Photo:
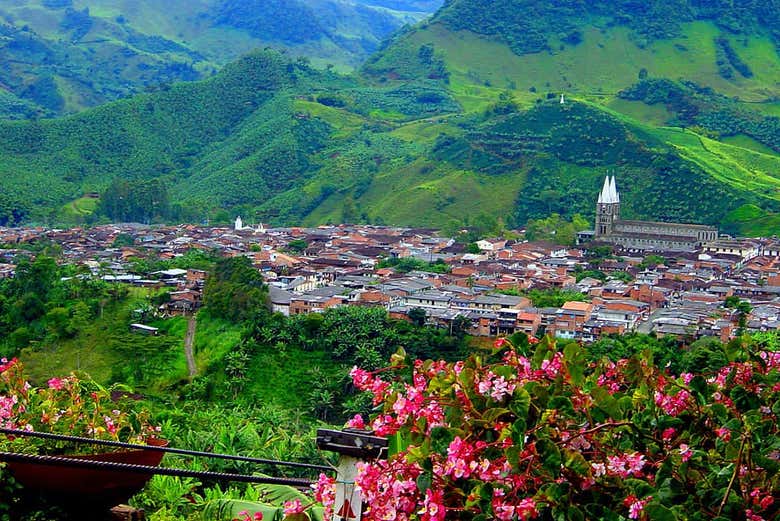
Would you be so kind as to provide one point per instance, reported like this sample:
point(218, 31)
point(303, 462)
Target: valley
point(530, 245)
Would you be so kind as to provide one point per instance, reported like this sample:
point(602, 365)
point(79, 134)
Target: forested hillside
point(60, 56)
point(454, 120)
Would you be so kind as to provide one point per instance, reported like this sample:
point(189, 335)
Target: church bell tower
point(607, 209)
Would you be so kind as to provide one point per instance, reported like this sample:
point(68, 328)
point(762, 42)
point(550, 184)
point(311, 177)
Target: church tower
point(607, 209)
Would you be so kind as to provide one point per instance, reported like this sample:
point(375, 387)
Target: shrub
point(546, 434)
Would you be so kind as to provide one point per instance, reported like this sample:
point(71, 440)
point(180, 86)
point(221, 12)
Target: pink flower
point(497, 387)
point(293, 507)
point(356, 422)
point(460, 459)
point(325, 493)
point(626, 465)
point(433, 506)
point(506, 509)
point(723, 433)
point(672, 405)
point(552, 368)
point(635, 505)
point(668, 434)
point(685, 451)
point(244, 516)
point(499, 343)
point(56, 384)
point(526, 509)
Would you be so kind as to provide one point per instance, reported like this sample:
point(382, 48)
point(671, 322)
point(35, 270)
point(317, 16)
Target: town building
point(643, 235)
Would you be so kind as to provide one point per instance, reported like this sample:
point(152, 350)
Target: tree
point(651, 261)
point(418, 316)
point(137, 200)
point(235, 290)
point(556, 229)
point(297, 245)
point(122, 240)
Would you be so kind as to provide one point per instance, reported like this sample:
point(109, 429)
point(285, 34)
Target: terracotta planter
point(103, 486)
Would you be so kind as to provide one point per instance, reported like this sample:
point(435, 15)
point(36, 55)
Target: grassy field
point(277, 374)
point(107, 351)
point(750, 220)
point(79, 208)
point(606, 61)
point(214, 338)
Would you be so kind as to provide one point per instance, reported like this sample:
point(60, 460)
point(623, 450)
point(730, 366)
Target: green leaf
point(573, 513)
point(576, 462)
point(424, 481)
point(607, 403)
point(513, 456)
point(519, 428)
point(397, 443)
point(658, 512)
point(562, 404)
point(625, 406)
point(540, 354)
point(576, 363)
point(550, 454)
point(521, 402)
point(744, 399)
point(441, 437)
point(699, 386)
point(491, 415)
point(229, 509)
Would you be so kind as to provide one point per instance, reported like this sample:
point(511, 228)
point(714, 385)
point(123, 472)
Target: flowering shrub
point(70, 406)
point(554, 436)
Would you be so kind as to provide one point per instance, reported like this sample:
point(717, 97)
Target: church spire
point(609, 194)
point(604, 195)
point(613, 191)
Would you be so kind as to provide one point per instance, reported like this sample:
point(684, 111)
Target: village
point(417, 275)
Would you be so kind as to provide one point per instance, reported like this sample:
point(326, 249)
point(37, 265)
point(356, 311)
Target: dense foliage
point(235, 290)
point(694, 105)
point(417, 137)
point(139, 201)
point(70, 406)
point(60, 58)
point(407, 264)
point(541, 432)
point(42, 303)
point(564, 149)
point(530, 26)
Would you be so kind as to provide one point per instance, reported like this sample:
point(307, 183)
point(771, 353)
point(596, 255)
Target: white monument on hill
point(239, 224)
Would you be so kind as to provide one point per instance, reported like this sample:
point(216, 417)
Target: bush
point(506, 436)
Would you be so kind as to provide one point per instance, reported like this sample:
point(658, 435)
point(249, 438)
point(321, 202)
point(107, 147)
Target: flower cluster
point(512, 435)
point(71, 406)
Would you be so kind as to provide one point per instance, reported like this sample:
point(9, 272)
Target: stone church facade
point(644, 235)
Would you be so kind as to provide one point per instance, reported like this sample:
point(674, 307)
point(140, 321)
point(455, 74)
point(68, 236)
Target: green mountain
point(443, 126)
point(60, 56)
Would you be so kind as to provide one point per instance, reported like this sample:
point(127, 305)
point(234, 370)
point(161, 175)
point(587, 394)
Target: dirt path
point(189, 340)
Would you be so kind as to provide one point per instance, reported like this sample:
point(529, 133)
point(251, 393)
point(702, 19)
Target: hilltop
point(443, 126)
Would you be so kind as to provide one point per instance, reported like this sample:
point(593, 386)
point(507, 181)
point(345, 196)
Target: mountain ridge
point(440, 128)
point(62, 56)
